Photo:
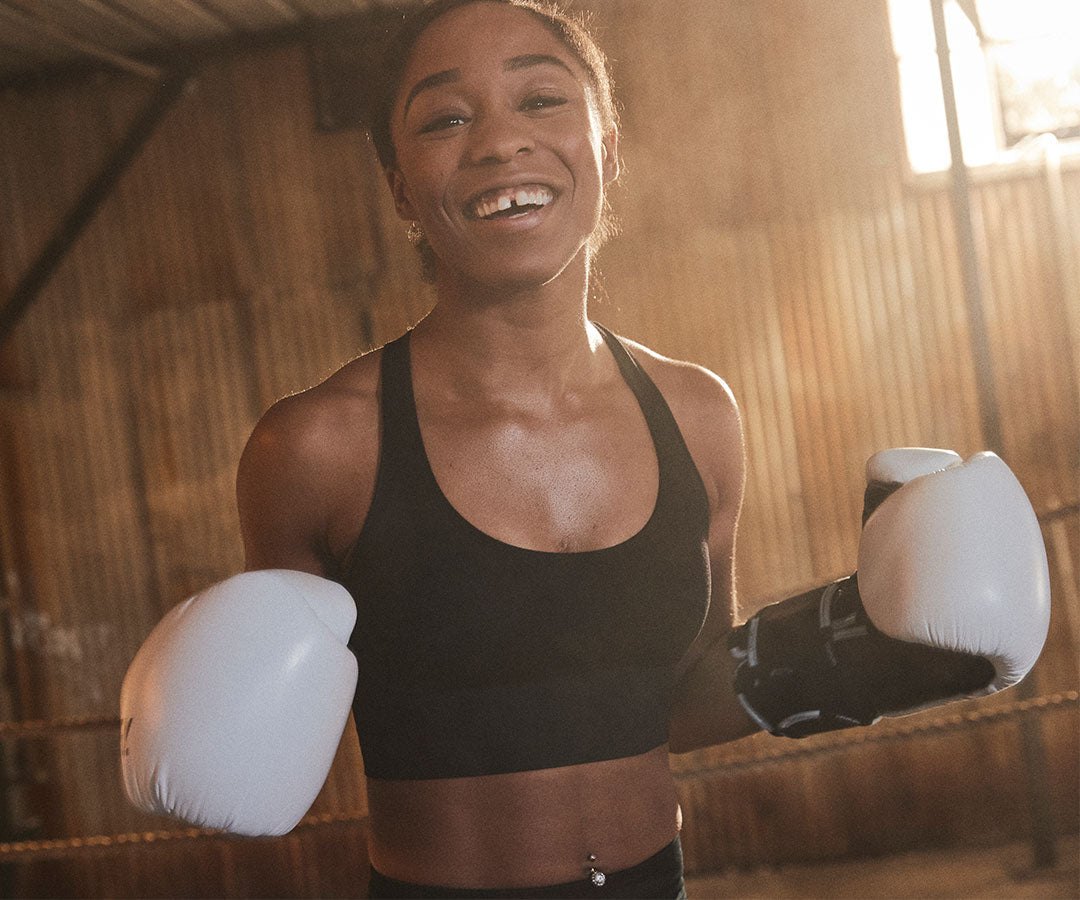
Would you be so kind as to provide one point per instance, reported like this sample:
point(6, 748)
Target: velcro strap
point(792, 676)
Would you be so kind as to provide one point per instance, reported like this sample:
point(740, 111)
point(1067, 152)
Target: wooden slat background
point(769, 231)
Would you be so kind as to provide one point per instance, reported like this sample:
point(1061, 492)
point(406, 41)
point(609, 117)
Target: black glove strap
point(791, 675)
point(816, 663)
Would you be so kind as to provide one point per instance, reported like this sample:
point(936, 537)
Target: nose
point(497, 137)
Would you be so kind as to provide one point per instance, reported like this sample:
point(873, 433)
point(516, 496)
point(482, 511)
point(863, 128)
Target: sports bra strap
point(401, 438)
point(671, 449)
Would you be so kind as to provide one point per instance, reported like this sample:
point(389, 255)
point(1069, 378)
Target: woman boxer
point(535, 521)
point(514, 715)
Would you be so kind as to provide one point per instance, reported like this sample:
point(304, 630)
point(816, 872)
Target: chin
point(519, 271)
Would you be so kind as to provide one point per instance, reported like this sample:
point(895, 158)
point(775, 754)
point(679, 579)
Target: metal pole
point(93, 195)
point(965, 239)
point(1032, 749)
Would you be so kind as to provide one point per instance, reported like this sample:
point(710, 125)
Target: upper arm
point(705, 710)
point(715, 438)
point(280, 491)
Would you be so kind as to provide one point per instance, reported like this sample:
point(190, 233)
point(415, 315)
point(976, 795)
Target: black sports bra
point(478, 657)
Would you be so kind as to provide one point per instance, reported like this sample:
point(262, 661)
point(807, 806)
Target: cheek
point(586, 148)
point(424, 184)
point(589, 177)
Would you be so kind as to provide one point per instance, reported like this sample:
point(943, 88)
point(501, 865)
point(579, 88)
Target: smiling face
point(500, 151)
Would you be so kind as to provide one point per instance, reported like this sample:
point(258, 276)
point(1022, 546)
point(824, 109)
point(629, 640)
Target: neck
point(500, 338)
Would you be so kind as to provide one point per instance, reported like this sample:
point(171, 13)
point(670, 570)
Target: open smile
point(509, 202)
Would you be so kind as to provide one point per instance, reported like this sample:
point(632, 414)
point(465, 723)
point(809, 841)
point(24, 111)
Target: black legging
point(660, 876)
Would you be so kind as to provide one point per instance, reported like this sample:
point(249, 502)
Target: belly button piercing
point(595, 875)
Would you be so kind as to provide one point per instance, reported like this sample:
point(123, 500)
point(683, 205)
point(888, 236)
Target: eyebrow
point(514, 64)
point(527, 60)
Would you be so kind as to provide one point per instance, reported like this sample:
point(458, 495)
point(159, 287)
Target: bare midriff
point(524, 829)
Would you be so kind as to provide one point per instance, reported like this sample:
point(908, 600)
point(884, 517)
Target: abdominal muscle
point(523, 829)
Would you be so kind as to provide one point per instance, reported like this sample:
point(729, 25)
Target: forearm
point(705, 710)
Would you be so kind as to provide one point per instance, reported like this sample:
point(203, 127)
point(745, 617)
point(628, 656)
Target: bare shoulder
point(700, 399)
point(313, 426)
point(707, 414)
point(309, 454)
point(681, 382)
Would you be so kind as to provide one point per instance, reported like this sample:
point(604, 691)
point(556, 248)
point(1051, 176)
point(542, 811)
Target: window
point(1016, 73)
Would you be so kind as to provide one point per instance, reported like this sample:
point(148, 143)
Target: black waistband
point(659, 876)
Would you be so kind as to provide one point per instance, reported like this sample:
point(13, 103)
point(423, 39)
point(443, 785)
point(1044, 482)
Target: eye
point(542, 101)
point(442, 123)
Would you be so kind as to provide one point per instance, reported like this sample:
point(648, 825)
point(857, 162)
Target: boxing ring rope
point(32, 728)
point(24, 851)
point(843, 740)
point(32, 850)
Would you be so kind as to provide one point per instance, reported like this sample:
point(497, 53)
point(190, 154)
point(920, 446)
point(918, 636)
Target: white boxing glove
point(955, 559)
point(951, 600)
point(233, 708)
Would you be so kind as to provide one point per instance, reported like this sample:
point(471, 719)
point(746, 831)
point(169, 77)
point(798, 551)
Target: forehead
point(478, 36)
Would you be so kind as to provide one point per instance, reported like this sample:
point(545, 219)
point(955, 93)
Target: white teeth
point(502, 200)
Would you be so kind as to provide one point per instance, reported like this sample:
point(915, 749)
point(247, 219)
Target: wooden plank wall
point(769, 231)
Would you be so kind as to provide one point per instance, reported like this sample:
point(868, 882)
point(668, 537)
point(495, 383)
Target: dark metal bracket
point(93, 196)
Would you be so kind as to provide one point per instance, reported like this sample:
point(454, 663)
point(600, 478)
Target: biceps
point(280, 523)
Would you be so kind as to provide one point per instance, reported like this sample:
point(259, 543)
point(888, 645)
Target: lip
point(520, 182)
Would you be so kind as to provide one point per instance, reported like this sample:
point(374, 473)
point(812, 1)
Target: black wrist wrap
point(816, 663)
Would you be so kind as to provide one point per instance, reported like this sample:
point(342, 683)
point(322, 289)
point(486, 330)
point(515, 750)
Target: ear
point(609, 150)
point(400, 193)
